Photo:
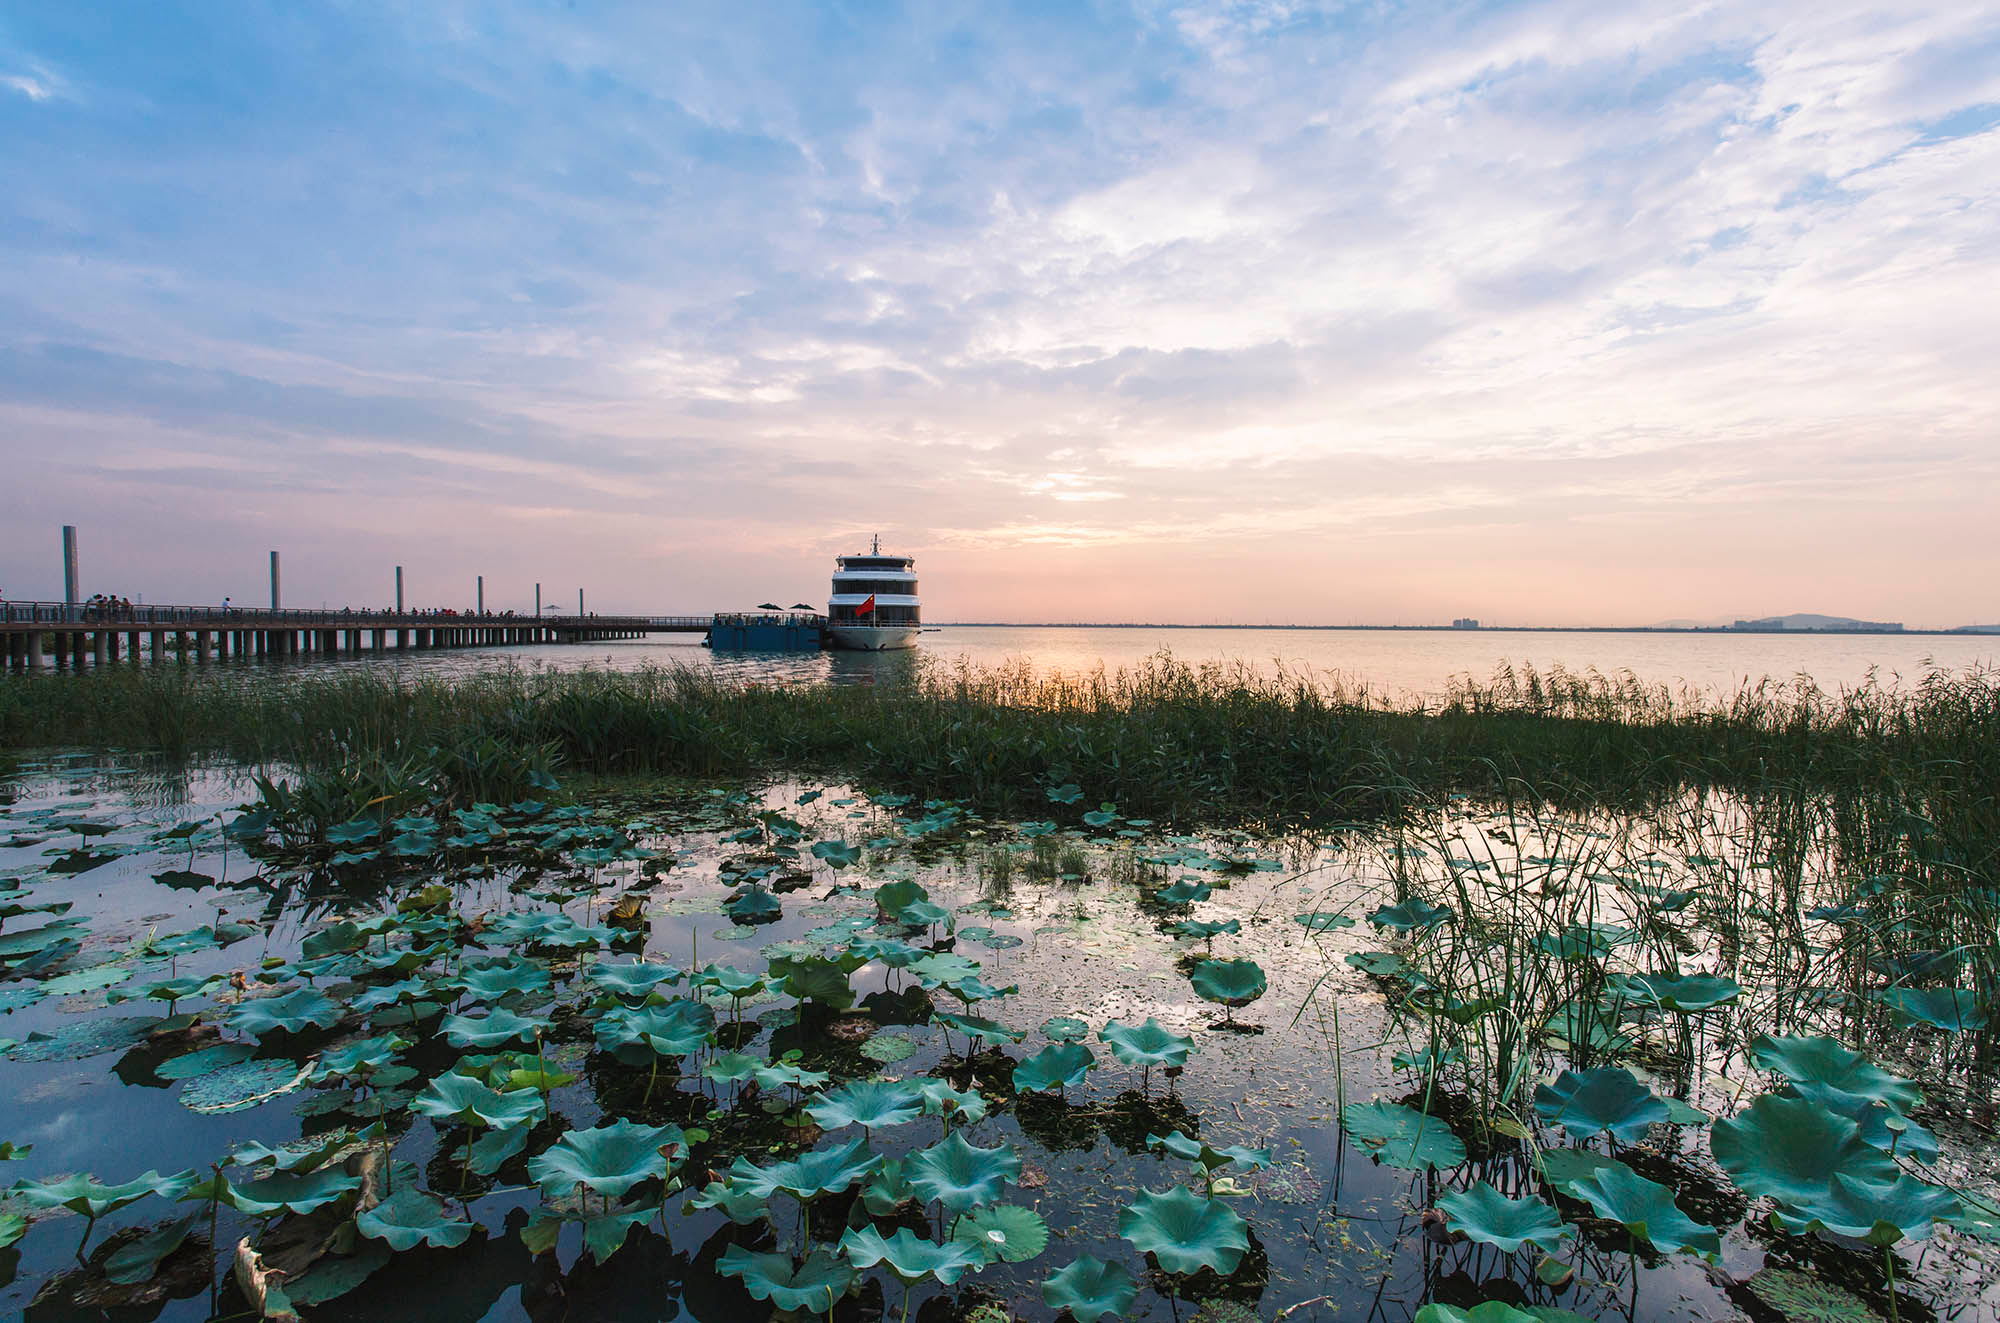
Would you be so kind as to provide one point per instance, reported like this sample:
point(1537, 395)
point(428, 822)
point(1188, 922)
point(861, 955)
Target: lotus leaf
point(1685, 993)
point(1589, 1102)
point(1228, 983)
point(837, 854)
point(40, 939)
point(639, 979)
point(392, 994)
point(1562, 1167)
point(84, 1038)
point(409, 1218)
point(1803, 1297)
point(1879, 1212)
point(333, 1276)
point(909, 1256)
point(1319, 921)
point(201, 1062)
point(1822, 1069)
point(1491, 1218)
point(941, 1099)
point(1647, 1210)
point(1790, 1149)
point(941, 969)
point(887, 1049)
point(674, 1029)
point(1003, 1233)
point(1593, 941)
point(496, 1148)
point(242, 1086)
point(81, 1194)
point(1189, 1149)
point(1186, 1232)
point(739, 1205)
point(754, 905)
point(362, 1057)
point(960, 1175)
point(1401, 1136)
point(86, 980)
point(979, 1027)
point(731, 1067)
point(1065, 1029)
point(1492, 1311)
point(870, 1104)
point(1186, 892)
point(822, 1171)
point(1057, 1066)
point(496, 1028)
point(293, 1012)
point(891, 898)
point(812, 978)
point(1412, 915)
point(291, 1192)
point(456, 1097)
point(812, 1287)
point(733, 982)
point(497, 979)
point(1149, 1044)
point(1090, 1289)
point(894, 954)
point(137, 1260)
point(1954, 1010)
point(782, 1074)
point(608, 1160)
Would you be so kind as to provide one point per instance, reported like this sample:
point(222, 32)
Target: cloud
point(1214, 275)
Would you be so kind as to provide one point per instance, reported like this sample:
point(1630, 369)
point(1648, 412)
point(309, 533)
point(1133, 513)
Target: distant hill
point(1687, 624)
point(1807, 620)
point(1977, 629)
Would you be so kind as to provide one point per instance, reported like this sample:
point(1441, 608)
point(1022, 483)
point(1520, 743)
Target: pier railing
point(118, 616)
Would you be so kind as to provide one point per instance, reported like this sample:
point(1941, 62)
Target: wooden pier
point(70, 635)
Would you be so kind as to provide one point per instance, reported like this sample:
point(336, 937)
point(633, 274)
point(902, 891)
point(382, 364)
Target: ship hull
point(872, 638)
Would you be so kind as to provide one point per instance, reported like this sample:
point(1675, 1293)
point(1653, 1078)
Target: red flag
point(867, 608)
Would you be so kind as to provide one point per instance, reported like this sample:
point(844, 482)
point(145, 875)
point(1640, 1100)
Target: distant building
point(1818, 624)
point(1465, 622)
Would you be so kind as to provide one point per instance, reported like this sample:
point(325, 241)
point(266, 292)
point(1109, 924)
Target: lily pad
point(961, 1175)
point(1402, 1136)
point(887, 1049)
point(1186, 1232)
point(1148, 1044)
point(870, 1104)
point(608, 1160)
point(85, 1038)
point(811, 1287)
point(1610, 1099)
point(1091, 1289)
point(1003, 1232)
point(1057, 1066)
point(203, 1061)
point(242, 1086)
point(1647, 1210)
point(1489, 1217)
point(911, 1257)
point(409, 1218)
point(1229, 983)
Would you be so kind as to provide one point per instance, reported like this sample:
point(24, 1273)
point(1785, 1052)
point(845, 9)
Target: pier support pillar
point(101, 646)
point(35, 650)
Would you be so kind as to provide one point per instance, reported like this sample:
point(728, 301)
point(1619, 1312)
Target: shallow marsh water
point(1335, 1233)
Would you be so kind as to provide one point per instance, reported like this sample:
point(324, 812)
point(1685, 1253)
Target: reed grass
point(1165, 739)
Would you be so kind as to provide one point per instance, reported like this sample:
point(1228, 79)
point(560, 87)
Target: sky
point(1268, 311)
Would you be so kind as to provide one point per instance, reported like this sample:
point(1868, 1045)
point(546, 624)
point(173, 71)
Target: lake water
point(1388, 662)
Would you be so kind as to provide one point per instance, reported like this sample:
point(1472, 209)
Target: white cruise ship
point(874, 603)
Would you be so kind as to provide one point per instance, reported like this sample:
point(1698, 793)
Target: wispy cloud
point(676, 302)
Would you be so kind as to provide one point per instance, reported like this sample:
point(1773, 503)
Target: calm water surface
point(1389, 662)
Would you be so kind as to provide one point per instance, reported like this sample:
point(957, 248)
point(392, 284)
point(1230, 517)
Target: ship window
point(907, 586)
